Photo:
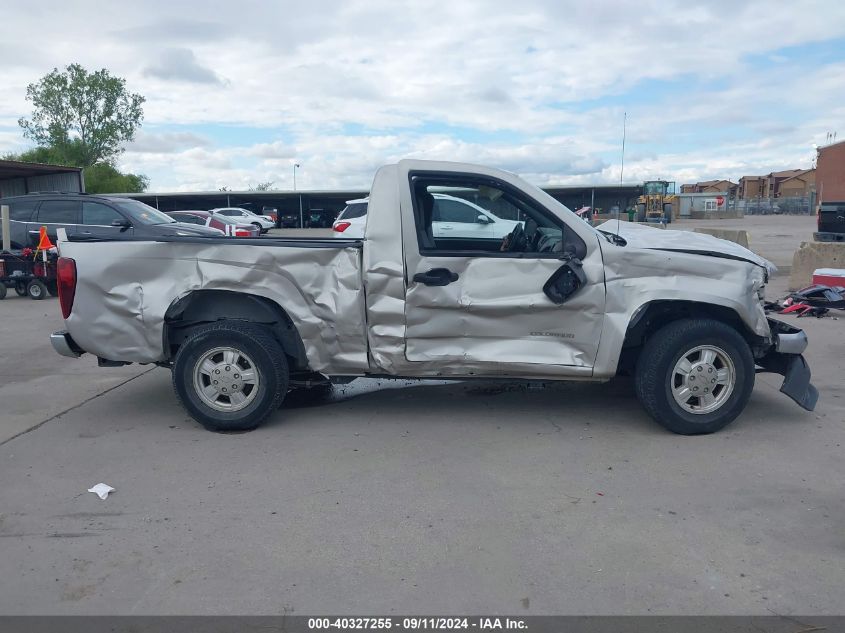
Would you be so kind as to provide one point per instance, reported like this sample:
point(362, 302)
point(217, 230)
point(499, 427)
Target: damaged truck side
point(240, 323)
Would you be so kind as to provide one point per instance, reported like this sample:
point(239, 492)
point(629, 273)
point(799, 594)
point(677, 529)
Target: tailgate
point(832, 217)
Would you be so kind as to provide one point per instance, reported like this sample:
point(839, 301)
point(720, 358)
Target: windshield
point(142, 213)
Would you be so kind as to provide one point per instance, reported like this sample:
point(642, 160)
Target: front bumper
point(65, 345)
point(785, 358)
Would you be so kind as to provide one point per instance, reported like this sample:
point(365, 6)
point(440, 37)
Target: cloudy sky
point(239, 91)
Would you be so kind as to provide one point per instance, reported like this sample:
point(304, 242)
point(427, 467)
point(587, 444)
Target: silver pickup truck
point(240, 323)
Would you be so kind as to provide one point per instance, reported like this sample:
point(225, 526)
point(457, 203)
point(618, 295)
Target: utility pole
point(624, 122)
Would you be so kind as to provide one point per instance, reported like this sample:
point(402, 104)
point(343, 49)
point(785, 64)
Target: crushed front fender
point(792, 366)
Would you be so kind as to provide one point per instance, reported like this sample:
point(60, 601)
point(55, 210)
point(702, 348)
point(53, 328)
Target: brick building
point(830, 172)
point(768, 186)
point(712, 186)
point(799, 185)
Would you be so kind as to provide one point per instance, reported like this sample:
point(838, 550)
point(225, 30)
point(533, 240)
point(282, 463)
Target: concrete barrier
point(812, 255)
point(739, 236)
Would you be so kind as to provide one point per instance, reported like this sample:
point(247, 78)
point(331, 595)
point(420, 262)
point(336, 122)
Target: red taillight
point(66, 280)
point(242, 233)
point(340, 227)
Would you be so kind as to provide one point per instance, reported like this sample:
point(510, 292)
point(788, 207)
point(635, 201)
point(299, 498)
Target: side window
point(100, 214)
point(514, 224)
point(448, 209)
point(21, 210)
point(59, 212)
point(355, 210)
point(230, 214)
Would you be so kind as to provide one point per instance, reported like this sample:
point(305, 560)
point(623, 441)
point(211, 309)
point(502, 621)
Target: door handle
point(436, 277)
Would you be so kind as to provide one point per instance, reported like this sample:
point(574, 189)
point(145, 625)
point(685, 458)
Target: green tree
point(262, 186)
point(104, 178)
point(85, 118)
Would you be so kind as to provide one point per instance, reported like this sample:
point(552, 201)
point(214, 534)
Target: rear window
point(357, 210)
point(59, 212)
point(22, 210)
point(187, 218)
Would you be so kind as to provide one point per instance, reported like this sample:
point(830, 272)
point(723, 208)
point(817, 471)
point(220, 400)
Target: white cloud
point(537, 87)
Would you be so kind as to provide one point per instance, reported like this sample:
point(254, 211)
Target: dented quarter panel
point(125, 288)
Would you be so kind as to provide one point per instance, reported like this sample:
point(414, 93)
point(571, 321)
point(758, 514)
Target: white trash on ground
point(101, 490)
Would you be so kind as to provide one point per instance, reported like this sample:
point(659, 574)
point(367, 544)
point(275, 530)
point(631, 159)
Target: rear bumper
point(785, 359)
point(828, 236)
point(65, 345)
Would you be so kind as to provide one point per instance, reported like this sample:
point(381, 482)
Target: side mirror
point(483, 219)
point(565, 281)
point(123, 223)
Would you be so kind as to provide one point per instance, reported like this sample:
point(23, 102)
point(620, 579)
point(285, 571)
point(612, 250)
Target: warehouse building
point(18, 178)
point(320, 208)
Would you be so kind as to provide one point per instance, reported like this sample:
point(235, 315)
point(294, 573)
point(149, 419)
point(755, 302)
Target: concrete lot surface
point(404, 497)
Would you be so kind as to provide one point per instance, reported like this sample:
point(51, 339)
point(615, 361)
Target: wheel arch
point(208, 306)
point(653, 315)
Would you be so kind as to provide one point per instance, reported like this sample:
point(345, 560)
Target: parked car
point(555, 299)
point(831, 222)
point(221, 223)
point(289, 220)
point(451, 217)
point(243, 216)
point(351, 221)
point(88, 216)
point(318, 218)
point(271, 213)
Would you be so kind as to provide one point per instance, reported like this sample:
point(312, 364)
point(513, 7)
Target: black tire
point(3, 291)
point(20, 288)
point(269, 363)
point(53, 288)
point(36, 289)
point(654, 374)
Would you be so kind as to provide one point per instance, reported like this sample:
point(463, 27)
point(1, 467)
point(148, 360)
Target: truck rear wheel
point(695, 376)
point(230, 375)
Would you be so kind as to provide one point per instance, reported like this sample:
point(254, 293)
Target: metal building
point(319, 208)
point(17, 178)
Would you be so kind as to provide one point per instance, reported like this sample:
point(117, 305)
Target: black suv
point(89, 216)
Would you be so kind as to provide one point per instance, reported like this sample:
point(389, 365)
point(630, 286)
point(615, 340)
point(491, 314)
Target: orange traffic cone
point(44, 242)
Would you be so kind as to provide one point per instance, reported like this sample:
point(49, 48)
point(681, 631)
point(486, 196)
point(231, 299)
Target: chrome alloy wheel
point(226, 379)
point(703, 379)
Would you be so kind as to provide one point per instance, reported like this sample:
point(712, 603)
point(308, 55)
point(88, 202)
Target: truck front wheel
point(695, 376)
point(230, 375)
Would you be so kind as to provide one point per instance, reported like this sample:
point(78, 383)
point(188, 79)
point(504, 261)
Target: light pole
point(301, 218)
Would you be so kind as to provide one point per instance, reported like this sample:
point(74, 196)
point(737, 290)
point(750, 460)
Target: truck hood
point(640, 236)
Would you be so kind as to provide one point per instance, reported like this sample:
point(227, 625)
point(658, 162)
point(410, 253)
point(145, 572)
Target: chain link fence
point(793, 205)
